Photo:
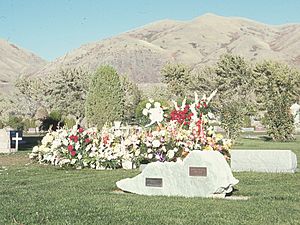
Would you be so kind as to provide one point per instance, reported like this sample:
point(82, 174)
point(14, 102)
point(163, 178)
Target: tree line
point(267, 88)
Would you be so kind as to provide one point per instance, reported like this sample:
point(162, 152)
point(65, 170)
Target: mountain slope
point(15, 62)
point(142, 52)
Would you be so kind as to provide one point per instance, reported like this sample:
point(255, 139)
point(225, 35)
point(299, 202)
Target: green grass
point(36, 194)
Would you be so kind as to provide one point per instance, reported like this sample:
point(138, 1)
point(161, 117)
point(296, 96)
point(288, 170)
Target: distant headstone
point(270, 161)
point(32, 130)
point(201, 173)
point(5, 141)
point(247, 129)
point(295, 110)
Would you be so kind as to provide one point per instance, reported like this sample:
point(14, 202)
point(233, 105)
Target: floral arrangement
point(188, 128)
point(168, 137)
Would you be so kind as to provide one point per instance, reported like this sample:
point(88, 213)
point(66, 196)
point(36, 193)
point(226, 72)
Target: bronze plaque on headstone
point(154, 182)
point(198, 171)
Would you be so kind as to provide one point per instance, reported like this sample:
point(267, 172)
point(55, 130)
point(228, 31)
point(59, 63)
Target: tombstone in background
point(201, 173)
point(5, 142)
point(295, 110)
point(270, 161)
point(31, 130)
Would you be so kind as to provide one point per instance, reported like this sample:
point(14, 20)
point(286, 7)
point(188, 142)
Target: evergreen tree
point(105, 102)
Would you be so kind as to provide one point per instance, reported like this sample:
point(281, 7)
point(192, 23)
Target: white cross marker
point(17, 139)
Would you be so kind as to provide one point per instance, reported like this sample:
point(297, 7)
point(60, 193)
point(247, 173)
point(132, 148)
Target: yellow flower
point(208, 148)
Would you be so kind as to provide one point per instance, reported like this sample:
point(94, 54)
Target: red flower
point(87, 140)
point(74, 138)
point(70, 148)
point(73, 153)
point(80, 130)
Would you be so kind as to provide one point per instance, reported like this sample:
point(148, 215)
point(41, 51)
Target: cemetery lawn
point(36, 194)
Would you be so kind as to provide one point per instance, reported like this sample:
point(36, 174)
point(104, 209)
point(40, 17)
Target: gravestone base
point(5, 151)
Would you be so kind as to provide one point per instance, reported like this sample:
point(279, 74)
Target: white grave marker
point(17, 139)
point(4, 141)
point(270, 161)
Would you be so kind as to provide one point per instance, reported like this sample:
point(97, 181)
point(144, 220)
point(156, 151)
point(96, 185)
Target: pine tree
point(105, 102)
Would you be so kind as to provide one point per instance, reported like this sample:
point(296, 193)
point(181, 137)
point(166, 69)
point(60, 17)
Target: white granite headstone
point(201, 173)
point(295, 110)
point(4, 141)
point(271, 161)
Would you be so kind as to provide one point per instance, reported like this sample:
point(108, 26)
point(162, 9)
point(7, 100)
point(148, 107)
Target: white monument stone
point(201, 173)
point(271, 161)
point(5, 141)
point(295, 110)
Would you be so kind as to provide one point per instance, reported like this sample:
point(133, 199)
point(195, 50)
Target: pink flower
point(73, 153)
point(70, 148)
point(80, 130)
point(87, 140)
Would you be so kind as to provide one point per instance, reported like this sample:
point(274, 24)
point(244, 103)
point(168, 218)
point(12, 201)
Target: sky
point(51, 28)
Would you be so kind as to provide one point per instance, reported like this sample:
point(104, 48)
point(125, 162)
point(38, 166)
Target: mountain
point(142, 52)
point(15, 62)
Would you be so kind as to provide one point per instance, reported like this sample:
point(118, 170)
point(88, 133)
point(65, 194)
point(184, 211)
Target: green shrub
point(15, 122)
point(28, 123)
point(69, 122)
point(105, 102)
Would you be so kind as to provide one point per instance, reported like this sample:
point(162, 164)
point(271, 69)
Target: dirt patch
point(14, 159)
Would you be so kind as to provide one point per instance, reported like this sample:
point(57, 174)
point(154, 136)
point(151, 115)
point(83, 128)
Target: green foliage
point(246, 121)
point(105, 102)
point(235, 92)
point(232, 119)
point(235, 97)
point(65, 91)
point(277, 86)
point(140, 118)
point(68, 90)
point(55, 115)
point(176, 76)
point(155, 91)
point(69, 122)
point(131, 98)
point(15, 122)
point(28, 123)
point(202, 81)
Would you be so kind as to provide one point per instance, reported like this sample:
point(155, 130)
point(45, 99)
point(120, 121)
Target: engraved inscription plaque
point(154, 182)
point(198, 171)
